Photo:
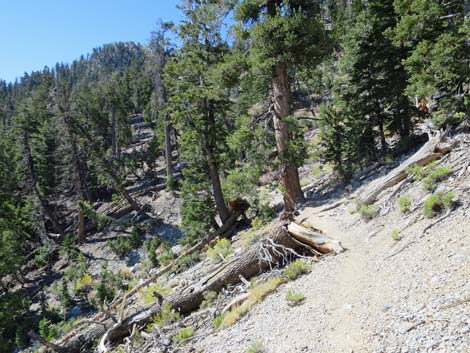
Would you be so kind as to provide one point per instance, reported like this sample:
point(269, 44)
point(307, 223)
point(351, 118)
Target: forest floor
point(364, 301)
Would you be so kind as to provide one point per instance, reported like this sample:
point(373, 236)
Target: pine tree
point(160, 49)
point(282, 36)
point(368, 94)
point(436, 35)
point(197, 104)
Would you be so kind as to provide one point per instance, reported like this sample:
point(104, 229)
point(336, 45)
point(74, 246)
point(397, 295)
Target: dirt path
point(352, 293)
point(361, 302)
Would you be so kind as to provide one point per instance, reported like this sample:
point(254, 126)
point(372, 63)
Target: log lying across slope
point(285, 241)
point(432, 150)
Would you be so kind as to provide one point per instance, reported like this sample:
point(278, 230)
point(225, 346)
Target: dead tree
point(434, 149)
point(277, 247)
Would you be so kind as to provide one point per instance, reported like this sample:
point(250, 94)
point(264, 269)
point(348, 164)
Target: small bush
point(297, 268)
point(147, 293)
point(294, 298)
point(417, 170)
point(222, 247)
point(101, 220)
point(151, 246)
point(165, 256)
point(188, 261)
point(183, 334)
point(48, 330)
point(448, 199)
point(166, 316)
point(434, 176)
point(83, 283)
point(436, 202)
point(209, 298)
point(395, 235)
point(404, 202)
point(218, 320)
point(255, 347)
point(368, 212)
point(123, 245)
point(41, 257)
point(432, 205)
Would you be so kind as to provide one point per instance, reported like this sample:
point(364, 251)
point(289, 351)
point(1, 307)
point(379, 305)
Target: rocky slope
point(381, 295)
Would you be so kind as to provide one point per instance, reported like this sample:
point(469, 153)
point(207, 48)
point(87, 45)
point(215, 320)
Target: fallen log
point(316, 240)
point(434, 149)
point(279, 246)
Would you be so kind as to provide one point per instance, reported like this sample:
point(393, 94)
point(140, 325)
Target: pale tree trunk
point(293, 194)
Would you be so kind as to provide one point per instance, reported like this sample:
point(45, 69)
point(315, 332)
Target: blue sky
point(38, 33)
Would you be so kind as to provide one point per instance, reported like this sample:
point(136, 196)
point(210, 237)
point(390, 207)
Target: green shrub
point(166, 316)
point(436, 202)
point(222, 247)
point(68, 248)
point(123, 245)
point(297, 268)
point(369, 212)
point(404, 202)
point(183, 334)
point(147, 293)
point(430, 182)
point(417, 170)
point(107, 285)
point(209, 298)
point(447, 199)
point(396, 235)
point(151, 246)
point(41, 257)
point(255, 347)
point(100, 219)
point(48, 330)
point(432, 205)
point(188, 261)
point(218, 320)
point(165, 255)
point(294, 298)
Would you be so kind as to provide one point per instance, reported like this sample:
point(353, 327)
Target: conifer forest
point(153, 194)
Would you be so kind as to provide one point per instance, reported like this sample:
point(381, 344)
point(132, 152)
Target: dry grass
point(255, 295)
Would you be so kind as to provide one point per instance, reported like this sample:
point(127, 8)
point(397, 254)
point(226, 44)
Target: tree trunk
point(290, 175)
point(217, 187)
point(32, 175)
point(383, 142)
point(275, 248)
point(168, 149)
point(109, 169)
point(79, 181)
point(113, 135)
point(220, 204)
point(430, 151)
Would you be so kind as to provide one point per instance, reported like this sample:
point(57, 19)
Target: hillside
point(263, 176)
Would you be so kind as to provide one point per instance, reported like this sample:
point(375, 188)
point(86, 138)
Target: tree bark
point(79, 181)
point(220, 203)
point(33, 177)
point(271, 250)
point(293, 194)
point(168, 148)
point(217, 187)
